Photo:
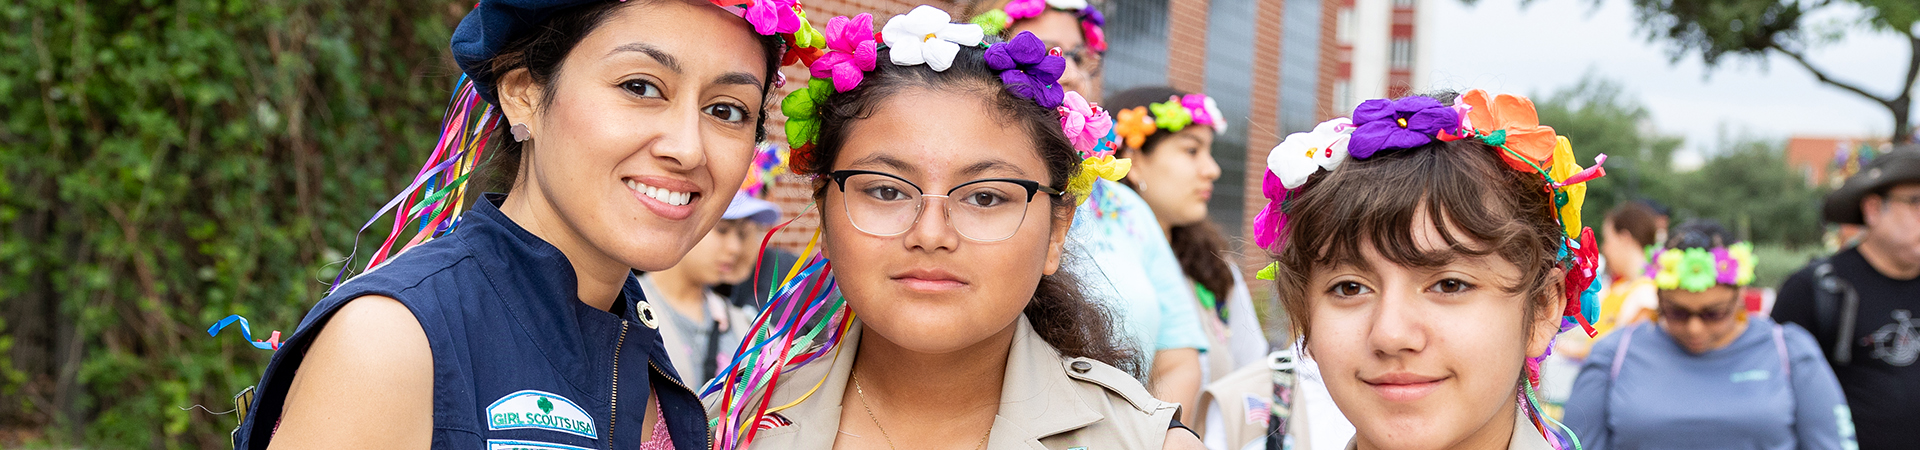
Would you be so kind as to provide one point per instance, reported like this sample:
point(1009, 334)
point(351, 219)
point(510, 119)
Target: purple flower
point(1028, 70)
point(1092, 15)
point(1398, 124)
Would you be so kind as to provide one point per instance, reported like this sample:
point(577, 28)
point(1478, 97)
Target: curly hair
point(1060, 311)
point(1200, 247)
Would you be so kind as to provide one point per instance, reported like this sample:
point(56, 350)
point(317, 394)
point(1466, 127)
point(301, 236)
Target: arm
point(1176, 378)
point(367, 383)
point(1821, 420)
point(1249, 340)
point(1179, 439)
point(1586, 412)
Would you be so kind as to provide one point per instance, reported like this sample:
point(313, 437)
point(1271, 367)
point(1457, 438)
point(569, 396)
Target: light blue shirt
point(1123, 259)
point(1742, 396)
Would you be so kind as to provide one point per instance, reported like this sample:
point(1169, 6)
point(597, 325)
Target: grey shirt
point(1742, 396)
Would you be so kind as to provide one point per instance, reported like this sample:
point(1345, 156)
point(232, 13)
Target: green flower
point(1269, 272)
point(803, 123)
point(992, 22)
point(807, 36)
point(1696, 270)
point(1170, 115)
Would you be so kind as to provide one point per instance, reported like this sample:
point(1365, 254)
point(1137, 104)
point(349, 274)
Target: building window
point(1342, 96)
point(1343, 26)
point(1402, 54)
point(1403, 4)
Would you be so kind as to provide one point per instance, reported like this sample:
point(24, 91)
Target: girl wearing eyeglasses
point(1706, 374)
point(946, 177)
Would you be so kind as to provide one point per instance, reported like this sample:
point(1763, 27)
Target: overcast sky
point(1550, 44)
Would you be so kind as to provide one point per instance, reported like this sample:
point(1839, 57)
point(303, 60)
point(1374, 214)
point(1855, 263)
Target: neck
point(928, 387)
point(681, 292)
point(1630, 269)
point(1885, 261)
point(599, 276)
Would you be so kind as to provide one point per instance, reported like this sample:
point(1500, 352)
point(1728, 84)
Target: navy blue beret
point(491, 25)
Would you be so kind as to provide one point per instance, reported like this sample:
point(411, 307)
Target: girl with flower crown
point(620, 130)
point(935, 314)
point(1075, 26)
point(1427, 255)
point(1706, 374)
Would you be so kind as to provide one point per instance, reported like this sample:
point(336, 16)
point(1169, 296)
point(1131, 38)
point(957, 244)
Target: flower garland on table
point(1173, 115)
point(1505, 122)
point(995, 21)
point(1699, 269)
point(806, 318)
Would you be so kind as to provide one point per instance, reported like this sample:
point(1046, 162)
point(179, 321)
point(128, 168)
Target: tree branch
point(1913, 66)
point(1817, 73)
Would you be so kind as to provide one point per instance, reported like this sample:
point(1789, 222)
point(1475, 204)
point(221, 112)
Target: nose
point(1397, 327)
point(1209, 167)
point(679, 145)
point(931, 230)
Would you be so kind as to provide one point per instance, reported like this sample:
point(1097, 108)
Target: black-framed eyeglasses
point(1712, 315)
point(1085, 58)
point(984, 210)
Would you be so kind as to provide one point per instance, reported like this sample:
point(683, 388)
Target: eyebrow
point(902, 165)
point(885, 160)
point(993, 164)
point(654, 52)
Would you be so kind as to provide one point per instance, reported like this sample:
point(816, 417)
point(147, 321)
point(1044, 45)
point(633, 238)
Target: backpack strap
point(1835, 307)
point(1780, 345)
point(1620, 356)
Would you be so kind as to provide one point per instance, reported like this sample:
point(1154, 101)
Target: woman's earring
point(520, 133)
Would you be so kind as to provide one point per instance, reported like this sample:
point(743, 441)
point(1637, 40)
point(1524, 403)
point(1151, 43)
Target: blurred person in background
point(1073, 26)
point(1626, 233)
point(740, 285)
point(1860, 303)
point(1706, 374)
point(703, 328)
point(1173, 171)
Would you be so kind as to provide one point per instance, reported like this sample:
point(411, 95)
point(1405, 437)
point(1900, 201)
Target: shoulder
point(1116, 386)
point(1127, 415)
point(1801, 345)
point(409, 269)
point(369, 372)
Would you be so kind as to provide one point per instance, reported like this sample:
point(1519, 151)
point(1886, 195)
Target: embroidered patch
point(771, 421)
point(1258, 410)
point(540, 410)
point(1751, 375)
point(506, 444)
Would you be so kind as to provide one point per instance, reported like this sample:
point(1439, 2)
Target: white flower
point(1302, 154)
point(1219, 121)
point(1069, 5)
point(925, 35)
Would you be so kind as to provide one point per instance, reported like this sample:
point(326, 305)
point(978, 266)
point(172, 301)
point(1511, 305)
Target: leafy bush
point(164, 164)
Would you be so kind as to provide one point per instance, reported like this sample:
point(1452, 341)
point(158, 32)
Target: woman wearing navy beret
point(616, 133)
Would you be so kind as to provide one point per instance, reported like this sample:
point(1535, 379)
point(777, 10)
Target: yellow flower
point(1563, 167)
point(1742, 253)
point(1102, 167)
point(1669, 275)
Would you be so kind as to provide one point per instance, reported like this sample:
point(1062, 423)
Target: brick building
point(1274, 67)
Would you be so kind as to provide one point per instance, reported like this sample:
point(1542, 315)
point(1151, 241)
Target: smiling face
point(1176, 176)
point(929, 289)
point(643, 135)
point(1424, 357)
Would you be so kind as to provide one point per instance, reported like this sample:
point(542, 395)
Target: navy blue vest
point(518, 361)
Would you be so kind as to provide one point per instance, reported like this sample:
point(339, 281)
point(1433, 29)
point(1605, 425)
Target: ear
point(518, 94)
point(1545, 322)
point(1057, 241)
point(1871, 206)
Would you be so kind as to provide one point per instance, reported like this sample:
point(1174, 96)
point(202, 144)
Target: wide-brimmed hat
point(1902, 165)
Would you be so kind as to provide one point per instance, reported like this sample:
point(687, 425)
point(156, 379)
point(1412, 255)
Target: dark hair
point(1200, 246)
point(1479, 206)
point(542, 52)
point(1637, 220)
point(1701, 234)
point(1060, 311)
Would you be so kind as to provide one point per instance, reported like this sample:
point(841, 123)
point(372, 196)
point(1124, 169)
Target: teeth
point(663, 195)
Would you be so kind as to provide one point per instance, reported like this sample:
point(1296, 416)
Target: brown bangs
point(1478, 205)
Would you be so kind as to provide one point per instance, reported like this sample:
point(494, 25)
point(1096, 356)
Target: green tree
point(164, 164)
point(1748, 186)
point(1599, 117)
point(1714, 29)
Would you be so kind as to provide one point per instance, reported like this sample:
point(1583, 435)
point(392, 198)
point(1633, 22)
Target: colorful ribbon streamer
point(272, 342)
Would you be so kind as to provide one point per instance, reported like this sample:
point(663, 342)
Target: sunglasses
point(1711, 315)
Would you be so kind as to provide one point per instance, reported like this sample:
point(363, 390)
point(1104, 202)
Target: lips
point(929, 280)
point(1404, 387)
point(670, 197)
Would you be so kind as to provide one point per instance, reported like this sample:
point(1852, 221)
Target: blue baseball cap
point(491, 26)
point(747, 207)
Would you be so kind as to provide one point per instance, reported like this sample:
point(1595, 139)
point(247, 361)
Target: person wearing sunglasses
point(1704, 373)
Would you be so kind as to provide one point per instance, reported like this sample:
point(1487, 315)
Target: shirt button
point(1081, 366)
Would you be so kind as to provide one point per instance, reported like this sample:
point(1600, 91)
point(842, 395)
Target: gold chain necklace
point(883, 430)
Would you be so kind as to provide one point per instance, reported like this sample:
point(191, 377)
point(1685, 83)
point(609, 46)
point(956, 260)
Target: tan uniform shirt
point(1525, 436)
point(1046, 402)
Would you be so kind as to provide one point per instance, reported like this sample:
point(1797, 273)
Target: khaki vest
point(1047, 401)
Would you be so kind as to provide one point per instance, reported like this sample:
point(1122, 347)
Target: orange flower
point(1134, 125)
point(1514, 115)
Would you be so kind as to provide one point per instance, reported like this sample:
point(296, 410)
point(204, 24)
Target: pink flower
point(1096, 38)
point(1084, 123)
point(851, 52)
point(774, 16)
point(1271, 223)
point(1021, 9)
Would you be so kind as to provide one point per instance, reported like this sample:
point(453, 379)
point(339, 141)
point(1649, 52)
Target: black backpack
point(1835, 307)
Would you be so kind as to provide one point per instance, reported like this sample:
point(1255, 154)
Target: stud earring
point(520, 133)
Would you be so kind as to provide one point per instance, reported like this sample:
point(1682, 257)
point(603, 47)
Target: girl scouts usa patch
point(540, 410)
point(504, 444)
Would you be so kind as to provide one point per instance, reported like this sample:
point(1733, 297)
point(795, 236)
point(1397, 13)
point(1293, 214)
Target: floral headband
point(1173, 115)
point(1506, 122)
point(997, 20)
point(1698, 269)
point(925, 36)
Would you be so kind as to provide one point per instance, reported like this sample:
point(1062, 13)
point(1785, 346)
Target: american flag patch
point(1258, 410)
point(771, 421)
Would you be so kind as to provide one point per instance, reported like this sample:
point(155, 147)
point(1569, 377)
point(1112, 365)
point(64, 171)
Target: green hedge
point(164, 164)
